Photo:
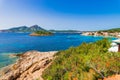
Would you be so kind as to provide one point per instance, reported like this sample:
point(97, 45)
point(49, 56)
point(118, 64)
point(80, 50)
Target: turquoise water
point(21, 42)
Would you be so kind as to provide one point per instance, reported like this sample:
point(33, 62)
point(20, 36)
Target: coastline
point(30, 65)
point(115, 34)
point(101, 36)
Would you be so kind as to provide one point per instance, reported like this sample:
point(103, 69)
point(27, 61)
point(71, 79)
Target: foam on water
point(6, 60)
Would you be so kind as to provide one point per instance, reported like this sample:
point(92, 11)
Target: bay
point(12, 43)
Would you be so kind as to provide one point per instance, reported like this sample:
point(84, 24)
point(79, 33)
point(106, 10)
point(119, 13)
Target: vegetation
point(41, 33)
point(112, 30)
point(86, 62)
point(24, 29)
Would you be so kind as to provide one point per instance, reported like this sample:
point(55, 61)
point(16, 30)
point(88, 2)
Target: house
point(115, 46)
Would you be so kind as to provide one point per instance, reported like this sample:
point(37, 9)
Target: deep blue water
point(21, 42)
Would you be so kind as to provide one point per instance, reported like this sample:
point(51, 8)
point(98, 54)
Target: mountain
point(24, 29)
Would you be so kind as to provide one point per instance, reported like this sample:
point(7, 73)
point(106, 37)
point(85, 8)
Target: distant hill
point(35, 28)
point(112, 30)
point(24, 29)
point(64, 31)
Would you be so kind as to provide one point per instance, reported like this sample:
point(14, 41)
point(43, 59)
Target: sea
point(14, 43)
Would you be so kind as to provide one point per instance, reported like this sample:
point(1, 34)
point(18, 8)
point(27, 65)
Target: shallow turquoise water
point(21, 42)
point(5, 59)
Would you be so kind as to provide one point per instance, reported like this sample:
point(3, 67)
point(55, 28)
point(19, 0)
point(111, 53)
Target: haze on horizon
point(60, 14)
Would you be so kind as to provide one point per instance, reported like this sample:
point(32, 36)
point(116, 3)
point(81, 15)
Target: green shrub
point(85, 62)
point(41, 32)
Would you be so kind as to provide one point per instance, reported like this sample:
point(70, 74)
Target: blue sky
point(61, 14)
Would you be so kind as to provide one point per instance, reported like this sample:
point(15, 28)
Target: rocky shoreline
point(29, 66)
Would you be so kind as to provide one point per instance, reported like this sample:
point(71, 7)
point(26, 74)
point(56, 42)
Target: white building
point(115, 46)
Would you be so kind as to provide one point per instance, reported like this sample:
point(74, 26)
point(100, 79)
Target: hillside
point(86, 62)
point(112, 30)
point(23, 29)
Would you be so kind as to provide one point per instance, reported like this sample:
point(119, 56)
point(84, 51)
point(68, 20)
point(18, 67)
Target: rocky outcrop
point(114, 77)
point(29, 66)
point(35, 34)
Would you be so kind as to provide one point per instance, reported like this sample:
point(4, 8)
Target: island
point(41, 33)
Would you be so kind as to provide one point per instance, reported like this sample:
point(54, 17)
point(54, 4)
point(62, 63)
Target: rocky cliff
point(29, 66)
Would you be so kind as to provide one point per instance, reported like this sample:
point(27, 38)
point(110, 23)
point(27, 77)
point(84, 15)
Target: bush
point(85, 62)
point(43, 32)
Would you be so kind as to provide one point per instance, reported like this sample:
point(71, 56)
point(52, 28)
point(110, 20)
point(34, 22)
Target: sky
point(61, 14)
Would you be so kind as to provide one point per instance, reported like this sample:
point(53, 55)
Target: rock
point(15, 55)
point(114, 77)
point(35, 34)
point(29, 66)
